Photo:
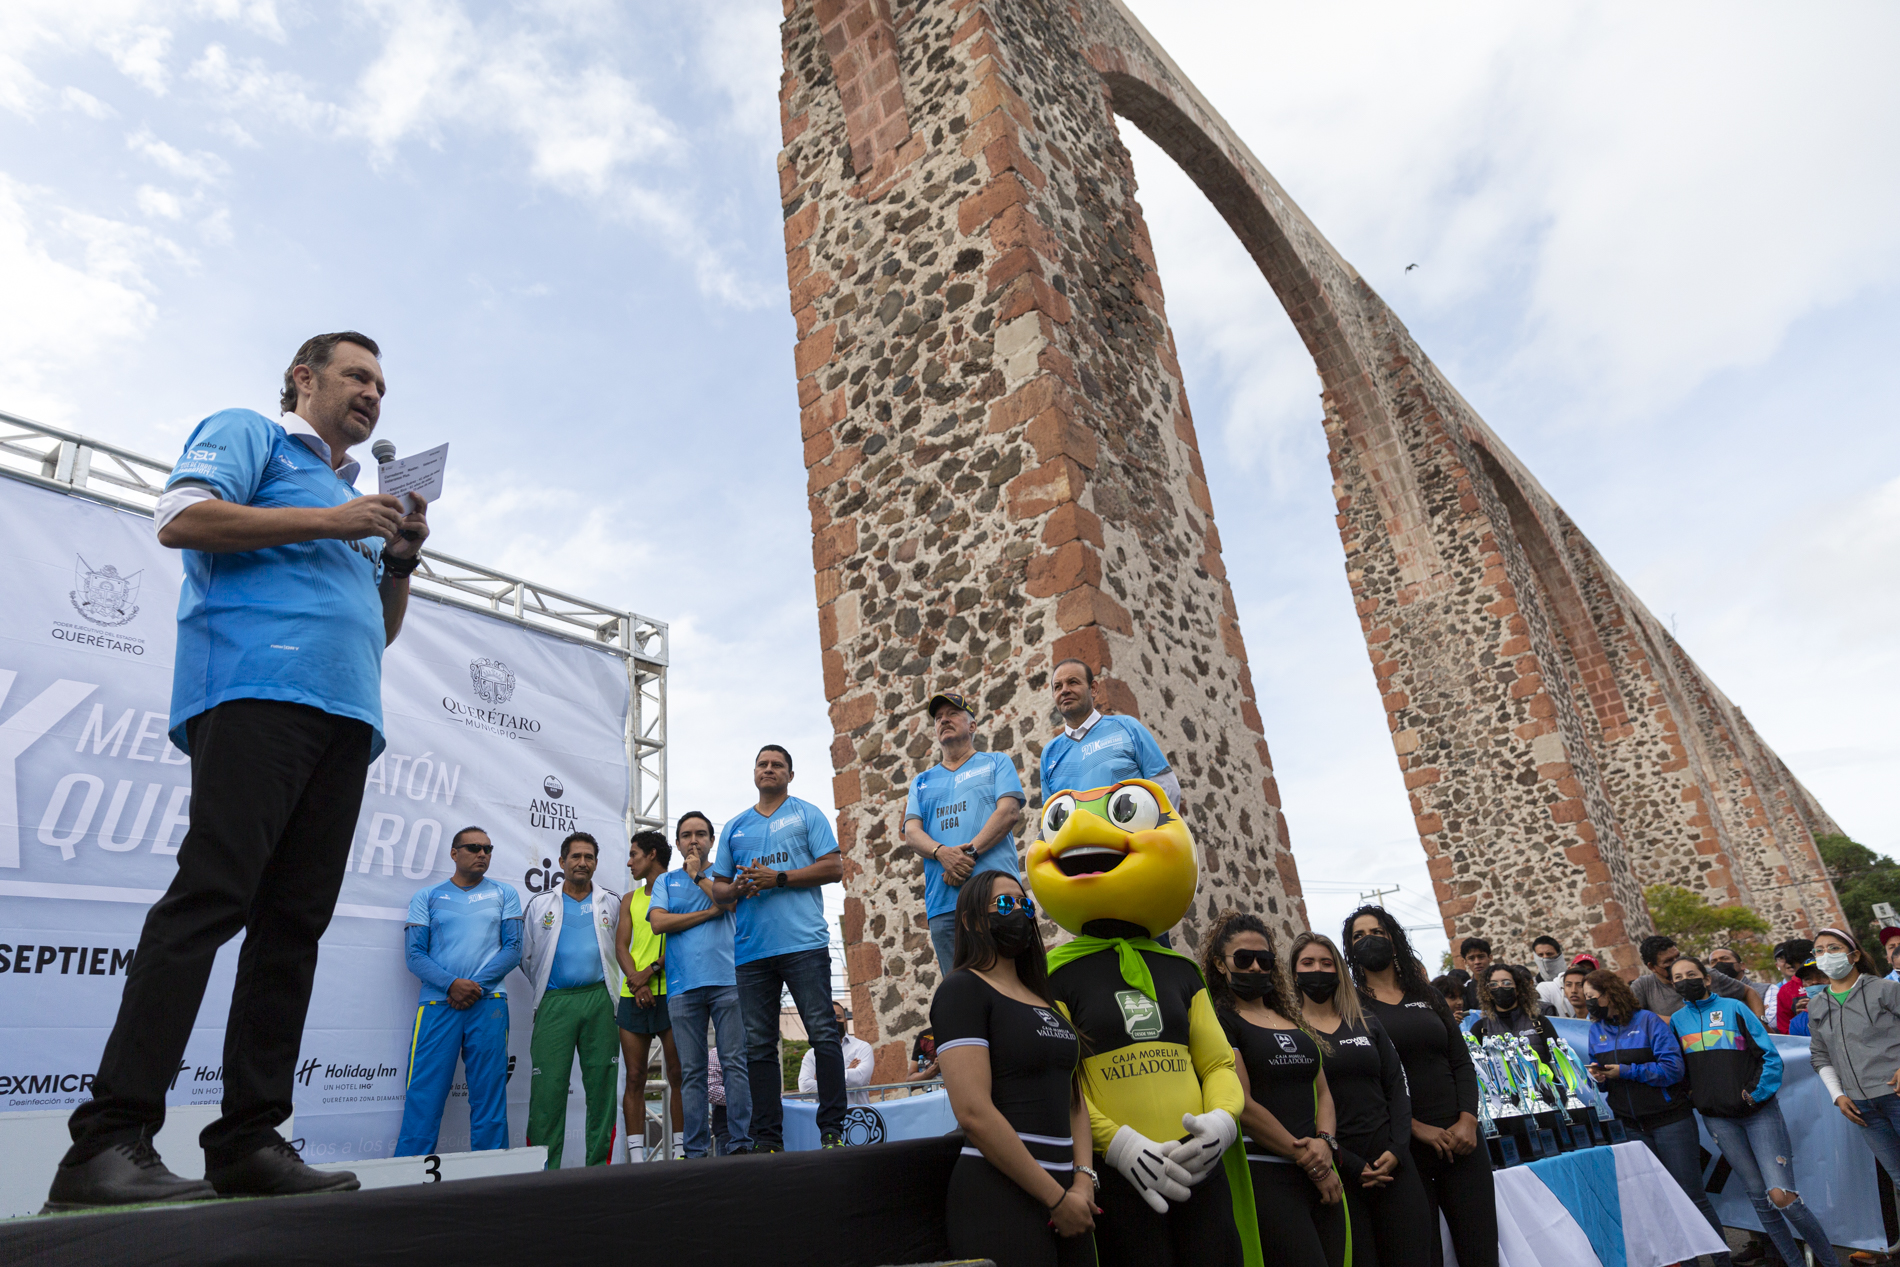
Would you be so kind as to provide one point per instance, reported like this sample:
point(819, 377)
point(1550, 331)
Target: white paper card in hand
point(419, 473)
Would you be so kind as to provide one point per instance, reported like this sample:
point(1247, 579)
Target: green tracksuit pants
point(580, 1018)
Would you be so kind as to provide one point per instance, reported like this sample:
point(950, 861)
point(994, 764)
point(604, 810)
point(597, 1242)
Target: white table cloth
point(1661, 1225)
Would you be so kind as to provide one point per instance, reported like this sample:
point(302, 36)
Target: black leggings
point(1199, 1232)
point(1462, 1190)
point(1392, 1225)
point(1301, 1230)
point(987, 1215)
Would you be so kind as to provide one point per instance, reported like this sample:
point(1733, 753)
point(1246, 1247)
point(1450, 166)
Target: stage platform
point(872, 1206)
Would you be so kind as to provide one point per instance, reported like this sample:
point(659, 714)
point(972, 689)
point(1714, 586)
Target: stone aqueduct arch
point(1003, 470)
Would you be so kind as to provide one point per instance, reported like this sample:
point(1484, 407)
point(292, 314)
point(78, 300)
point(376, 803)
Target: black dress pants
point(1392, 1225)
point(1199, 1232)
point(986, 1215)
point(275, 789)
point(1462, 1190)
point(1297, 1229)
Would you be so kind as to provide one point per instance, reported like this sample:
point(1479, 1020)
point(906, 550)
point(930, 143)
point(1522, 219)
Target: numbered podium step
point(394, 1172)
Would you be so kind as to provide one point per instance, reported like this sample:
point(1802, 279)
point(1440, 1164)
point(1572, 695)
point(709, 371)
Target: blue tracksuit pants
point(478, 1034)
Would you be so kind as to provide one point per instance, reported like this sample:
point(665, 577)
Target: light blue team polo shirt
point(465, 931)
point(301, 623)
point(953, 805)
point(777, 921)
point(703, 954)
point(1115, 748)
point(576, 952)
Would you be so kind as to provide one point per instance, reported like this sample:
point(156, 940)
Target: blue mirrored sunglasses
point(1007, 905)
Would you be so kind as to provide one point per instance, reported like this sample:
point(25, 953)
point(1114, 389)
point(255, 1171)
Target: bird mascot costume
point(1115, 866)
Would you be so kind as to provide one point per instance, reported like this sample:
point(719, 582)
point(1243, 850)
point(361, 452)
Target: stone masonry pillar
point(1002, 467)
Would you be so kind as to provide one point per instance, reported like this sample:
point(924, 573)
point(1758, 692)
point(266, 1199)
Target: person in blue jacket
point(464, 937)
point(1734, 1072)
point(1636, 1060)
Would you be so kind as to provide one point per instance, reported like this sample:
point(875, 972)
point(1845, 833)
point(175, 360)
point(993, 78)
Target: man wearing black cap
point(959, 817)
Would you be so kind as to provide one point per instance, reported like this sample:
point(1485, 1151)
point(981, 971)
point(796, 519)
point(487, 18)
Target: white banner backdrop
point(488, 724)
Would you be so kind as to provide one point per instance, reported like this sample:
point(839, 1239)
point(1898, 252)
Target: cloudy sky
point(1656, 248)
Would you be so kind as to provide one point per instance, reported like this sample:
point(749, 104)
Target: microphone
point(384, 450)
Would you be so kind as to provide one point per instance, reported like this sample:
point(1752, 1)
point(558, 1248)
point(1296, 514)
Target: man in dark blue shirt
point(293, 586)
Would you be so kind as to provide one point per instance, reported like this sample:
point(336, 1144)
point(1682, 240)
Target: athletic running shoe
point(832, 1140)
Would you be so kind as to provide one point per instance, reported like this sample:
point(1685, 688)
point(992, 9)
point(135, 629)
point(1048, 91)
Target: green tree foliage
point(791, 1054)
point(1698, 927)
point(1862, 877)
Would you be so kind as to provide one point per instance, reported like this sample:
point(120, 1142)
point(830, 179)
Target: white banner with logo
point(488, 724)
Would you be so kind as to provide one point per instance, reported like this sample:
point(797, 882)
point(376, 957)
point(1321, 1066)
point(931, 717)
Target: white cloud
point(1611, 171)
point(258, 16)
point(140, 53)
point(740, 54)
point(201, 168)
point(85, 103)
point(234, 132)
point(159, 202)
point(63, 315)
point(216, 227)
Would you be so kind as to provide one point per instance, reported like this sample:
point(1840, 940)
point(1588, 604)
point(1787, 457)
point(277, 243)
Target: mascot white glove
point(1209, 1135)
point(1145, 1164)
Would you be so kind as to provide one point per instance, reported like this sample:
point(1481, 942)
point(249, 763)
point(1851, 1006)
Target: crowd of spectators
point(1360, 1114)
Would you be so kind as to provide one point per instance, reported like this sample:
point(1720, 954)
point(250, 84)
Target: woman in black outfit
point(1391, 1218)
point(1454, 1168)
point(1507, 995)
point(1022, 1193)
point(1288, 1113)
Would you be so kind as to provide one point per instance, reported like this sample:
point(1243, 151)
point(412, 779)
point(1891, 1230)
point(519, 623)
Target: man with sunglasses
point(960, 818)
point(464, 937)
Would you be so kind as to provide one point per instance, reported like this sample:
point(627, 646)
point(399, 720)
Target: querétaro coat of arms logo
point(494, 682)
point(103, 596)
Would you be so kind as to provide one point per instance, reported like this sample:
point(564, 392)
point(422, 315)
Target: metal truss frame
point(66, 462)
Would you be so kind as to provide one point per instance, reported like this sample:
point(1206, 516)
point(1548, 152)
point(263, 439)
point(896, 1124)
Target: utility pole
point(1376, 896)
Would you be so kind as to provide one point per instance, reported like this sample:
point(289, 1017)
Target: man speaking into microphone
point(293, 586)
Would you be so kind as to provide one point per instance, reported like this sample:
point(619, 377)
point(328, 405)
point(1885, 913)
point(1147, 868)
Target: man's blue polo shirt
point(464, 935)
point(953, 806)
point(777, 921)
point(301, 623)
point(1114, 748)
point(703, 954)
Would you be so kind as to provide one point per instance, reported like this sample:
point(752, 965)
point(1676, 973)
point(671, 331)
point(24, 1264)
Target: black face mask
point(1504, 997)
point(1597, 1010)
point(1250, 985)
point(1374, 952)
point(1013, 933)
point(1319, 986)
point(1693, 990)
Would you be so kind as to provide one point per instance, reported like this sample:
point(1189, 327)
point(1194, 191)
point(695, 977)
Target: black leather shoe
point(276, 1170)
point(124, 1174)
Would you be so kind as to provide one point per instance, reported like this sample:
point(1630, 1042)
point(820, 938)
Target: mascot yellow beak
point(1119, 852)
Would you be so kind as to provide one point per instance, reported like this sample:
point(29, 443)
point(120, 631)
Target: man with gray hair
point(959, 817)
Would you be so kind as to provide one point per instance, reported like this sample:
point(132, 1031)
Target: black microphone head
point(383, 451)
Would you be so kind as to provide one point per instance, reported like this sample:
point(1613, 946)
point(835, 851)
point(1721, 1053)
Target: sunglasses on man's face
point(477, 848)
point(1253, 960)
point(1007, 905)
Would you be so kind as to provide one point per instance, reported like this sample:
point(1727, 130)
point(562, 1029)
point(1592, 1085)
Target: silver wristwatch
point(1089, 1171)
